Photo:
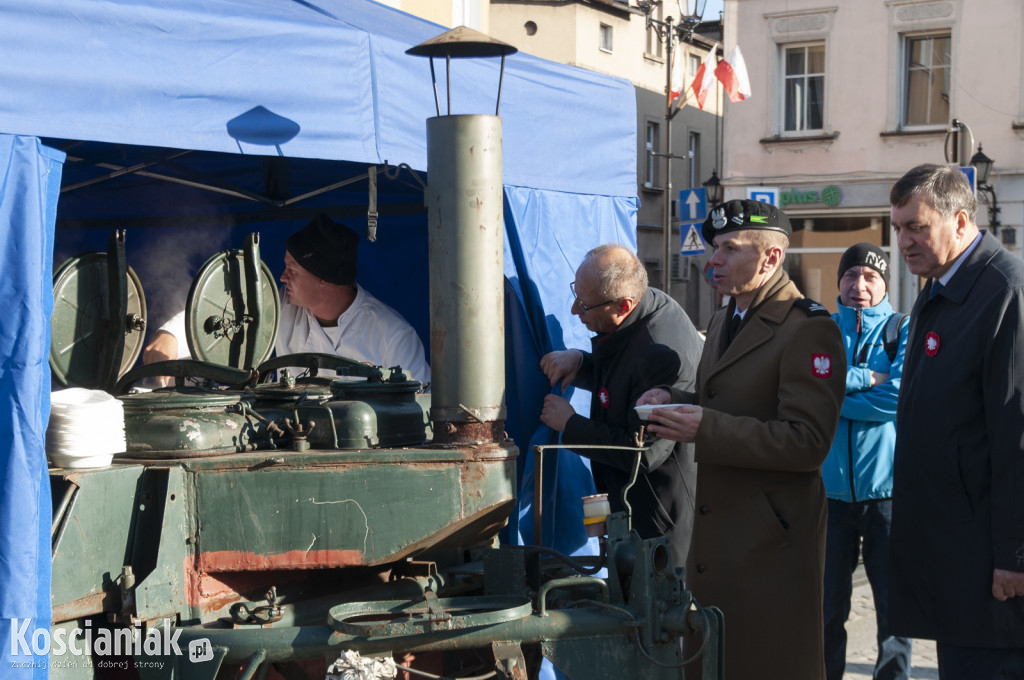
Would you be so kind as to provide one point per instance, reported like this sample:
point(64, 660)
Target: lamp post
point(983, 165)
point(715, 190)
point(692, 12)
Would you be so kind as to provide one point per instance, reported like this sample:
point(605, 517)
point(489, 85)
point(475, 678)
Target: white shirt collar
point(944, 279)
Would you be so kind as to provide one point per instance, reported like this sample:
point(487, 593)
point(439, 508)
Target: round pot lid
point(232, 315)
point(181, 398)
point(79, 325)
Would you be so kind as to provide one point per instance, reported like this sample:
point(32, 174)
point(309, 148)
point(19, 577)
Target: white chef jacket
point(368, 330)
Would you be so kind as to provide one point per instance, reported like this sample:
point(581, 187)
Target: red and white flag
point(705, 78)
point(732, 71)
point(676, 86)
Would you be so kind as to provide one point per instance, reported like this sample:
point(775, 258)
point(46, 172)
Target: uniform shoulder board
point(811, 308)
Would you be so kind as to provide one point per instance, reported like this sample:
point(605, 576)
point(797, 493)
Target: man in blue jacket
point(858, 470)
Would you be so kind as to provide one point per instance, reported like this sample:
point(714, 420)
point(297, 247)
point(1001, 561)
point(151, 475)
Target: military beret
point(326, 250)
point(744, 214)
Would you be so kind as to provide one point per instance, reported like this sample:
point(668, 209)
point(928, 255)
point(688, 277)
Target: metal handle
point(186, 368)
point(253, 296)
point(315, 361)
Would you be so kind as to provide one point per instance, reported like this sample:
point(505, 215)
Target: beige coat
point(771, 404)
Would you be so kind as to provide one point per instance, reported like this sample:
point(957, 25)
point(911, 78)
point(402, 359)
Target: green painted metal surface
point(233, 310)
point(321, 509)
point(191, 421)
point(80, 320)
point(93, 539)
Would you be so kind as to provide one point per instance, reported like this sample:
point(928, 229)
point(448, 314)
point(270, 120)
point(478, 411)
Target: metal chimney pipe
point(467, 317)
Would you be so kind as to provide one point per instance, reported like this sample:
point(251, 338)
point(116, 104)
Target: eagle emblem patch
point(602, 396)
point(718, 218)
point(822, 365)
point(931, 344)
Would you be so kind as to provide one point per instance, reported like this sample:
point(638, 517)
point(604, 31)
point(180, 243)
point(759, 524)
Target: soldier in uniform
point(770, 384)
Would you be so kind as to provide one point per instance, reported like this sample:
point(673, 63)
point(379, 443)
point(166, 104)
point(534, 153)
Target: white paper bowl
point(645, 410)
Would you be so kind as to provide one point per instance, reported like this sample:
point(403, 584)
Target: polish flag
point(705, 78)
point(676, 86)
point(732, 71)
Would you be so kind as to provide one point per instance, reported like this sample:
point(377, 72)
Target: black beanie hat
point(867, 255)
point(326, 250)
point(744, 214)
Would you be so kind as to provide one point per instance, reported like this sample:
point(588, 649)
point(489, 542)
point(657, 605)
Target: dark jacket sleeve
point(1003, 375)
point(658, 367)
point(585, 374)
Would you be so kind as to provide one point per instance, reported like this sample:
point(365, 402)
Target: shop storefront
point(829, 218)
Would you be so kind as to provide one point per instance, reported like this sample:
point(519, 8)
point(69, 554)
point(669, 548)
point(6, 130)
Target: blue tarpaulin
point(190, 123)
point(29, 185)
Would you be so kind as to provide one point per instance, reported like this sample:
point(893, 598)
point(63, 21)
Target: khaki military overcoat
point(771, 404)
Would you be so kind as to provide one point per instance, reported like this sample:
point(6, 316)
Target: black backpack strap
point(891, 333)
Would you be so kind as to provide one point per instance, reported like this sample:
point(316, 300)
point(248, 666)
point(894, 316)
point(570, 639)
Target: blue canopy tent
point(194, 122)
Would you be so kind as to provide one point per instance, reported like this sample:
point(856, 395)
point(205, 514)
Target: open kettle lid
point(233, 309)
point(96, 334)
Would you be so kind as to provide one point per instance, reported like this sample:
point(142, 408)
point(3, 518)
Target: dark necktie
point(734, 326)
point(936, 287)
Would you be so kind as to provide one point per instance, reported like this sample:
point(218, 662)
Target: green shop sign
point(831, 196)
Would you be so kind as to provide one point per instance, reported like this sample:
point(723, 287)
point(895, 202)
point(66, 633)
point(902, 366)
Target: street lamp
point(691, 11)
point(983, 165)
point(714, 188)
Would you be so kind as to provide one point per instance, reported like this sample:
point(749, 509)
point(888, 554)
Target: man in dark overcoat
point(644, 339)
point(770, 384)
point(957, 553)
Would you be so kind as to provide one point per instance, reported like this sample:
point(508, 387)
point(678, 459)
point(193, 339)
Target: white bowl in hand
point(645, 410)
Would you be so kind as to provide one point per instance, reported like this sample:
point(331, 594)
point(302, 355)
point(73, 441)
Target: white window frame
point(912, 18)
point(784, 81)
point(905, 41)
point(606, 37)
point(652, 39)
point(651, 147)
point(693, 62)
point(794, 29)
point(693, 157)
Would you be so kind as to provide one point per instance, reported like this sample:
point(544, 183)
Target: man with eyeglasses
point(643, 339)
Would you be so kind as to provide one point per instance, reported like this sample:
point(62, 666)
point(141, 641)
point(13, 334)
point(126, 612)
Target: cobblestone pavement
point(860, 644)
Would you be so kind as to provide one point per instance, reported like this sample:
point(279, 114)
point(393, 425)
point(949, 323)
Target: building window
point(927, 61)
point(693, 158)
point(650, 176)
point(653, 46)
point(606, 38)
point(692, 66)
point(804, 87)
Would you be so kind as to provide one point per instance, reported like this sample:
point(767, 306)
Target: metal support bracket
point(509, 660)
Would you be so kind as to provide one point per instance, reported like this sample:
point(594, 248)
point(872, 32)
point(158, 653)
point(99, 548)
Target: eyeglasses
point(585, 308)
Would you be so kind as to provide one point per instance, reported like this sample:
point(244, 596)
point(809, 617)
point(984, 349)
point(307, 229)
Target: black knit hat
point(326, 250)
point(867, 255)
point(744, 214)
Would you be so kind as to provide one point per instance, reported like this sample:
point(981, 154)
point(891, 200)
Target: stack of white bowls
point(86, 428)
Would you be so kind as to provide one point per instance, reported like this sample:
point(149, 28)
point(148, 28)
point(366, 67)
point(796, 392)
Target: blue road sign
point(693, 205)
point(971, 177)
point(764, 194)
point(690, 241)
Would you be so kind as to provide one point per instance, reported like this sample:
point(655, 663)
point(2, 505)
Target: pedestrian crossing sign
point(691, 242)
